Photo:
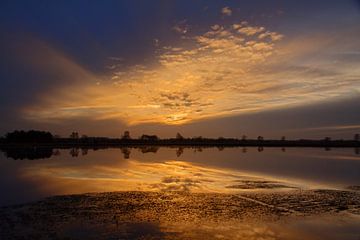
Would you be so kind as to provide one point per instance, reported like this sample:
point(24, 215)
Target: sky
point(201, 68)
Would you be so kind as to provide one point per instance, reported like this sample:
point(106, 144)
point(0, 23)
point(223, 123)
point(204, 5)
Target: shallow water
point(226, 170)
point(269, 193)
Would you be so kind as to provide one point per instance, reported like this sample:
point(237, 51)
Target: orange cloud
point(225, 71)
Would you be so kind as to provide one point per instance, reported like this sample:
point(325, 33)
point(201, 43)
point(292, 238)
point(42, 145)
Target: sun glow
point(226, 70)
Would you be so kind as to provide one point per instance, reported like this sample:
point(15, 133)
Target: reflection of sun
point(134, 175)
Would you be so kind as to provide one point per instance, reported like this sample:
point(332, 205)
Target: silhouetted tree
point(126, 135)
point(244, 137)
point(283, 138)
point(74, 135)
point(327, 139)
point(260, 138)
point(31, 136)
point(149, 137)
point(179, 136)
point(357, 137)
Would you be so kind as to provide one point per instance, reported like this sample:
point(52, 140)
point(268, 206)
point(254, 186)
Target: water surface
point(181, 193)
point(70, 171)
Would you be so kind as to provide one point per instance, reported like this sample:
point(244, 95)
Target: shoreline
point(170, 214)
point(187, 144)
point(332, 198)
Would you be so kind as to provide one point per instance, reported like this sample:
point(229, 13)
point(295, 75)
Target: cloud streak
point(223, 71)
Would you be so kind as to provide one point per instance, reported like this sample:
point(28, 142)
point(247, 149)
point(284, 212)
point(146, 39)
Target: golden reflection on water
point(173, 213)
point(314, 228)
point(134, 175)
point(230, 170)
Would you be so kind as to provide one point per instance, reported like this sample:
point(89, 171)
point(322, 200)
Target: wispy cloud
point(338, 127)
point(224, 70)
point(226, 11)
point(181, 27)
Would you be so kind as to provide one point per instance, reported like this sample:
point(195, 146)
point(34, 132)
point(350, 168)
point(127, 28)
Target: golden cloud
point(225, 71)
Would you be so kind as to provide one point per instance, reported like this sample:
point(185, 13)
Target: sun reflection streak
point(165, 176)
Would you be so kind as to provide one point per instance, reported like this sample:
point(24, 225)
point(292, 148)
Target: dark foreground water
point(182, 193)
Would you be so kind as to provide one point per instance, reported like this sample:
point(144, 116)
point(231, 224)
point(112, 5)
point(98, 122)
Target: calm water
point(209, 170)
point(172, 169)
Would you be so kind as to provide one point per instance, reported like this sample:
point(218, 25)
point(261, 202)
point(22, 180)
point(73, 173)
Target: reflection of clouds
point(255, 184)
point(181, 27)
point(139, 176)
point(177, 183)
point(226, 230)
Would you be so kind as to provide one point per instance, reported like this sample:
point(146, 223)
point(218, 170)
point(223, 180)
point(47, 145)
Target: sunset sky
point(210, 68)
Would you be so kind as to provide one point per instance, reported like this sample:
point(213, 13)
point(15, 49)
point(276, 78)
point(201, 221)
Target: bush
point(31, 136)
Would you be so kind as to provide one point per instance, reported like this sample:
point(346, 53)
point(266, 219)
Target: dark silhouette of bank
point(34, 138)
point(34, 144)
point(31, 136)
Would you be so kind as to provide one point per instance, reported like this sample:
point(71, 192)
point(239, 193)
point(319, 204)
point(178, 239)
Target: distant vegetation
point(31, 136)
point(39, 144)
point(42, 138)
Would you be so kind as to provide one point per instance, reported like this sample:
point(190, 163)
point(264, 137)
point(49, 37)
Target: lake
point(250, 173)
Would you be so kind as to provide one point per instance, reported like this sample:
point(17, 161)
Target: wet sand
point(184, 215)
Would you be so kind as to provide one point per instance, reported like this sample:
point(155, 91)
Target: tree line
point(44, 137)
